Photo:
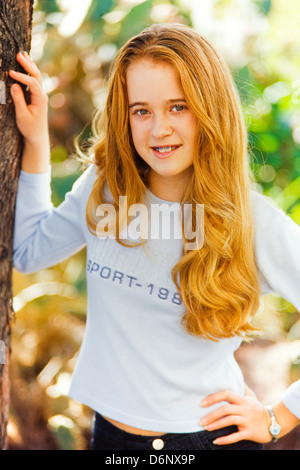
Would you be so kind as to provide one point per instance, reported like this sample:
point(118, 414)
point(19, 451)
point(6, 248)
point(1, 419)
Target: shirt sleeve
point(277, 247)
point(43, 234)
point(291, 398)
point(277, 250)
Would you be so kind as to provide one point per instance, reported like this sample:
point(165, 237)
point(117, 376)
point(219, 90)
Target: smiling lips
point(165, 151)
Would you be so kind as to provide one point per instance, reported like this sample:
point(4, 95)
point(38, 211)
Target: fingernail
point(203, 403)
point(204, 427)
point(215, 442)
point(14, 89)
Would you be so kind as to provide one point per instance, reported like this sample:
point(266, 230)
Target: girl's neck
point(170, 189)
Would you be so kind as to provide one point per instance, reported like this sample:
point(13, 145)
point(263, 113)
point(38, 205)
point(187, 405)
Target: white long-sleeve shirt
point(137, 364)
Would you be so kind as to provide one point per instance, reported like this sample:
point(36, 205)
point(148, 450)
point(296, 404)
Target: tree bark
point(15, 36)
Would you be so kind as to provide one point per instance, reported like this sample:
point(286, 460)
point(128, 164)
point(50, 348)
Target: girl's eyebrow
point(143, 103)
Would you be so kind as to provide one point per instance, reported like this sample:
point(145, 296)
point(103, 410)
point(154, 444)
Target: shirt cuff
point(291, 398)
point(35, 178)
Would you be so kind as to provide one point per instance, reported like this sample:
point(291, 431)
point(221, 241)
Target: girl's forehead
point(146, 77)
point(149, 65)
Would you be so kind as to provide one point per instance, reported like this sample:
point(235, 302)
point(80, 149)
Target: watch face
point(275, 429)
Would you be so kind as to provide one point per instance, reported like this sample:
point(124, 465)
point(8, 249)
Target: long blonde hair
point(218, 282)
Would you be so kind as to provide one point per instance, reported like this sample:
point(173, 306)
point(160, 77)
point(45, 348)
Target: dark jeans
point(106, 436)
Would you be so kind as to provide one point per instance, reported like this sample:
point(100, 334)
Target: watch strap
point(274, 428)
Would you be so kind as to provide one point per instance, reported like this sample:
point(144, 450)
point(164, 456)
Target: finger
point(223, 395)
point(29, 66)
point(23, 78)
point(32, 83)
point(231, 438)
point(232, 420)
point(221, 412)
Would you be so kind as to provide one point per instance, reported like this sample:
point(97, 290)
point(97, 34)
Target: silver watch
point(274, 428)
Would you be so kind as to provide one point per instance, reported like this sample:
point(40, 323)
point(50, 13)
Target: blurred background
point(73, 43)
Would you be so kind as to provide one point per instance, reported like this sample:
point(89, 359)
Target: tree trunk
point(15, 36)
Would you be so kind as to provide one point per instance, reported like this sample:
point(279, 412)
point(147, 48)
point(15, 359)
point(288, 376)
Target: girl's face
point(163, 127)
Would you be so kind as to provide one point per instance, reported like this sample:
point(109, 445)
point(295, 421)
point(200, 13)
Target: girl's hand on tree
point(32, 119)
point(245, 412)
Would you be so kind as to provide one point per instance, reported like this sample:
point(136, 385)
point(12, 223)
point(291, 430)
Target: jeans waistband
point(107, 436)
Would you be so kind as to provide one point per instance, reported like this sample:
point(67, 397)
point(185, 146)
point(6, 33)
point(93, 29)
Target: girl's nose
point(161, 127)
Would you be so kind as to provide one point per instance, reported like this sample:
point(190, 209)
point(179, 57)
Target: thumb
point(19, 100)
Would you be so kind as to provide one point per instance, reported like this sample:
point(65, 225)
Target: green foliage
point(48, 6)
point(136, 19)
point(98, 9)
point(264, 6)
point(61, 185)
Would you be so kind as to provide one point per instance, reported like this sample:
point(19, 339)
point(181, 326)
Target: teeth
point(165, 149)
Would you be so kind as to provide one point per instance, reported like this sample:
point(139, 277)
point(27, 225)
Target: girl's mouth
point(165, 151)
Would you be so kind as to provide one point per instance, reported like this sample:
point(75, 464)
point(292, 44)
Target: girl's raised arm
point(32, 119)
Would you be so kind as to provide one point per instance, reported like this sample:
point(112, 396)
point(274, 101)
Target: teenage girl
point(164, 319)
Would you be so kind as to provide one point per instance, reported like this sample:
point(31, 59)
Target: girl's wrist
point(36, 156)
point(285, 418)
point(38, 140)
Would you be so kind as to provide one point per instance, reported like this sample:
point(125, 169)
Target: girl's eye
point(141, 112)
point(179, 107)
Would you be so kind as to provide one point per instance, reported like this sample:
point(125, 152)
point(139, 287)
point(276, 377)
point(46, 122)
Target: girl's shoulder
point(270, 220)
point(89, 173)
point(265, 208)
